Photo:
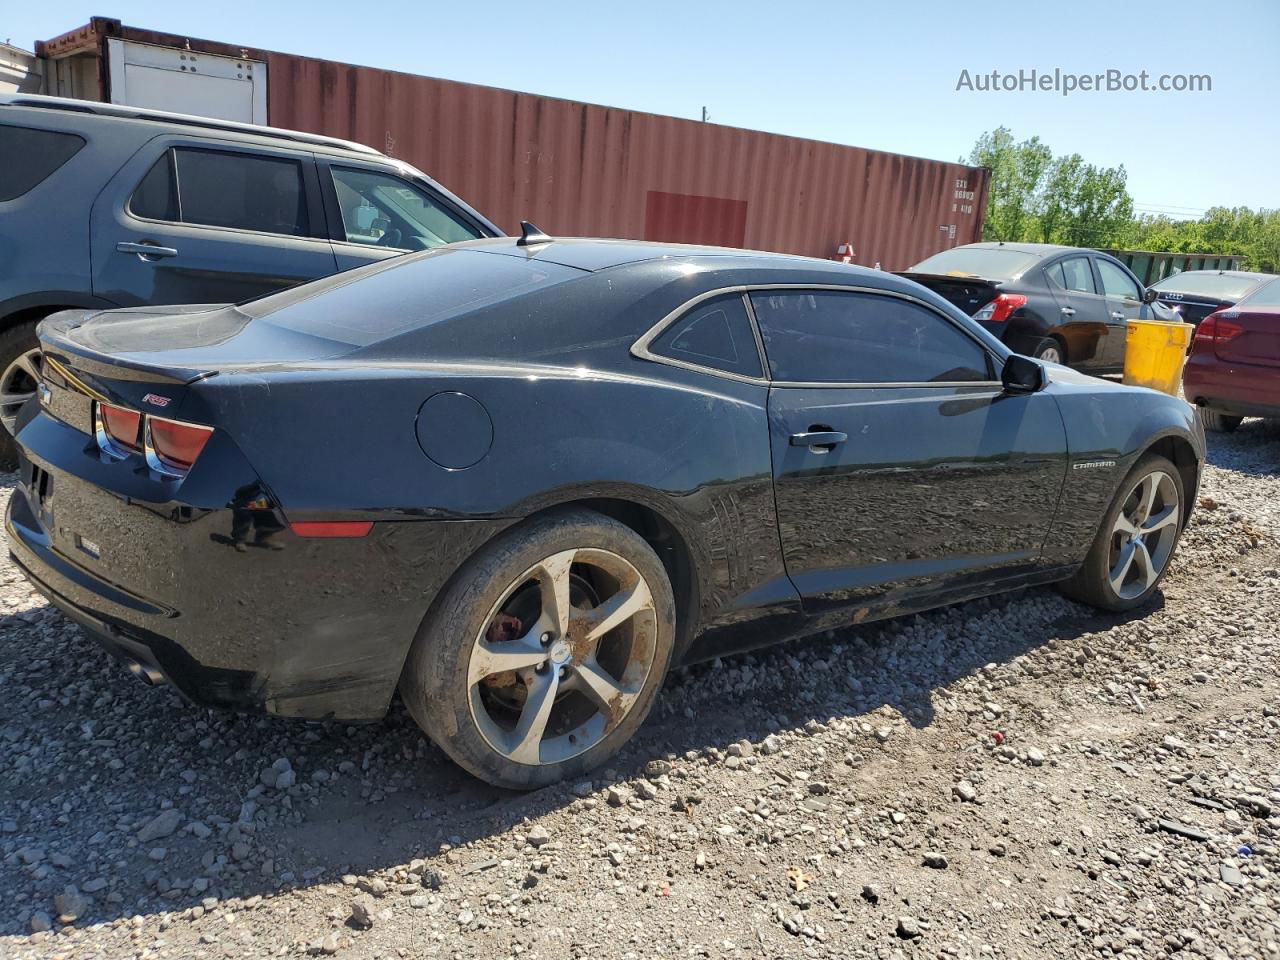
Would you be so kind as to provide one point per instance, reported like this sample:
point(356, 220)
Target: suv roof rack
point(208, 123)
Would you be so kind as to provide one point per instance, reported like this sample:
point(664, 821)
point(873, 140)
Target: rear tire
point(1135, 542)
point(1218, 422)
point(18, 377)
point(1050, 351)
point(512, 676)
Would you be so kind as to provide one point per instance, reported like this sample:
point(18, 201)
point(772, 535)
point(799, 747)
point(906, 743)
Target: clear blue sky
point(879, 75)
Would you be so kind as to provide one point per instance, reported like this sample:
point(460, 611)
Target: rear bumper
point(312, 629)
point(1236, 389)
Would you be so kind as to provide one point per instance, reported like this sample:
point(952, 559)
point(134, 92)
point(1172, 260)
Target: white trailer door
point(166, 78)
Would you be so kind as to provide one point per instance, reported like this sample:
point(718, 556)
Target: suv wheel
point(20, 363)
point(544, 654)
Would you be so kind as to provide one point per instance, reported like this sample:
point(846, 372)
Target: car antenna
point(529, 235)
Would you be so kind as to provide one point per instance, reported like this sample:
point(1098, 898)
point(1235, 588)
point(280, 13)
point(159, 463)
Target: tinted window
point(993, 262)
point(1116, 282)
point(1072, 274)
point(29, 156)
point(1217, 285)
point(829, 337)
point(713, 334)
point(385, 211)
point(1266, 296)
point(237, 190)
point(155, 198)
point(405, 293)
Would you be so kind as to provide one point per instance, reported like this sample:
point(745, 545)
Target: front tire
point(1135, 543)
point(544, 654)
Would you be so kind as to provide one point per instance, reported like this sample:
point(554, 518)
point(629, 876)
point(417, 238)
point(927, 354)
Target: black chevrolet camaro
point(519, 480)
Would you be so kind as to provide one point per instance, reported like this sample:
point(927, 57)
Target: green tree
point(1034, 196)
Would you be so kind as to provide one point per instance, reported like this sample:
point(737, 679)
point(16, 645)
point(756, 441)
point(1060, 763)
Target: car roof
point(592, 254)
point(1242, 274)
point(124, 112)
point(1042, 250)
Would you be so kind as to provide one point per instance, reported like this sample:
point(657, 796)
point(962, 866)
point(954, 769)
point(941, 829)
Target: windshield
point(992, 262)
point(1220, 286)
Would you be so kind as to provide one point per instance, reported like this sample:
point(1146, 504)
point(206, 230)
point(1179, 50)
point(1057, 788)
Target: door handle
point(146, 251)
point(1117, 315)
point(1068, 311)
point(818, 441)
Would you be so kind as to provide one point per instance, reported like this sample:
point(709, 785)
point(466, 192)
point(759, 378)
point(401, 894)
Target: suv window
point(385, 211)
point(28, 157)
point(714, 334)
point(223, 189)
point(1117, 283)
point(1072, 274)
point(833, 337)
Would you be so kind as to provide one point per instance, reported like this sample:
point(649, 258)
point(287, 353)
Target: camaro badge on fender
point(1093, 465)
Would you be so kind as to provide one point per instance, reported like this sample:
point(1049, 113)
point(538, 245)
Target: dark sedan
point(519, 481)
point(1194, 294)
point(1059, 304)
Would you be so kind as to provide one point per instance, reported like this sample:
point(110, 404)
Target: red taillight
point(332, 528)
point(1214, 327)
point(121, 426)
point(175, 444)
point(1001, 308)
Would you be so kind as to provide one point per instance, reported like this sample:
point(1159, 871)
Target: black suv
point(1062, 304)
point(108, 206)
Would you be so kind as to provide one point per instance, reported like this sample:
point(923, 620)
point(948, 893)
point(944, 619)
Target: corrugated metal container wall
point(577, 169)
point(580, 169)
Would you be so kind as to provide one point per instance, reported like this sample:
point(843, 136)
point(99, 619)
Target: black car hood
point(179, 343)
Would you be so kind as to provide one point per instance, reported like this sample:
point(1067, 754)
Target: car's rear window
point(1216, 285)
point(1267, 296)
point(28, 156)
point(403, 294)
point(989, 262)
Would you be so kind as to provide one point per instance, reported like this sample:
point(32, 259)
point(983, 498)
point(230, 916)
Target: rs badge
point(156, 400)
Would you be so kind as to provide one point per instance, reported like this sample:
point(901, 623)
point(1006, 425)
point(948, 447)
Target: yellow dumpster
point(1154, 352)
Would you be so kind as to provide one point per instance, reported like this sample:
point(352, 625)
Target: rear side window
point(222, 189)
point(1072, 274)
point(28, 157)
point(830, 337)
point(715, 334)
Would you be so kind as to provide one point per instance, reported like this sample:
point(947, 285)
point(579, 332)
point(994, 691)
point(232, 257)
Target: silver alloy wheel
point(569, 674)
point(17, 386)
point(1144, 534)
point(1051, 355)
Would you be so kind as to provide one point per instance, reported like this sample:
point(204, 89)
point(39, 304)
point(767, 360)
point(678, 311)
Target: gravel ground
point(1018, 777)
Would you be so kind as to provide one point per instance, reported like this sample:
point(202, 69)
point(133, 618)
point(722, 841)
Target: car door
point(901, 469)
point(1124, 303)
point(189, 220)
point(375, 213)
point(1084, 326)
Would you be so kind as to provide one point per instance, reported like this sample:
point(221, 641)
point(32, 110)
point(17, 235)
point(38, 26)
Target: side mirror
point(1150, 296)
point(1022, 375)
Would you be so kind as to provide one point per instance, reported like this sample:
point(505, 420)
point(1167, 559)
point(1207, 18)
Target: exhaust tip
point(148, 675)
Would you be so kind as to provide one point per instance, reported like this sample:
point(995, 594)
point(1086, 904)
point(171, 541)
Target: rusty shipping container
point(578, 169)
